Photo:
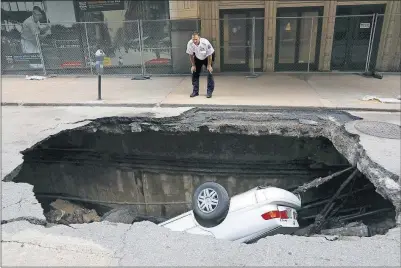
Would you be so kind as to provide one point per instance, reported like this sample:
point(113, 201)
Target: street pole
point(99, 87)
point(99, 69)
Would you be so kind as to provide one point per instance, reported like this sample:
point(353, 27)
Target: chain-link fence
point(157, 47)
point(351, 43)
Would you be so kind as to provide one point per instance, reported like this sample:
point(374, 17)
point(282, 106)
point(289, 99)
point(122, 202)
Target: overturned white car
point(246, 217)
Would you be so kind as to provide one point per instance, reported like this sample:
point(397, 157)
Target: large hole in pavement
point(101, 170)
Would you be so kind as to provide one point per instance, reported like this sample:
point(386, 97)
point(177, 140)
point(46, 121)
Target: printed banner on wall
point(99, 5)
point(29, 58)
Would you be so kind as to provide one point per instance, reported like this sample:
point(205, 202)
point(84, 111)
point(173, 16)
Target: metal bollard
point(99, 55)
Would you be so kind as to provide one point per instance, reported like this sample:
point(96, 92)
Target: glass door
point(298, 38)
point(352, 33)
point(235, 43)
point(236, 39)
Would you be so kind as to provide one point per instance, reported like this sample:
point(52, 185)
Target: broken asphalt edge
point(345, 142)
point(224, 106)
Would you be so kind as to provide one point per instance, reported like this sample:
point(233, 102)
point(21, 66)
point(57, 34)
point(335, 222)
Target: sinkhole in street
point(155, 173)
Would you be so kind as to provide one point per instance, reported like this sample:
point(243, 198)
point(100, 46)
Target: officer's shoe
point(208, 95)
point(194, 94)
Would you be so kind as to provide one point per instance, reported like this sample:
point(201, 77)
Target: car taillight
point(275, 214)
point(283, 214)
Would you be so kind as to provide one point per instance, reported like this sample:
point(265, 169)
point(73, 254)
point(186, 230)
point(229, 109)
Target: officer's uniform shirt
point(202, 51)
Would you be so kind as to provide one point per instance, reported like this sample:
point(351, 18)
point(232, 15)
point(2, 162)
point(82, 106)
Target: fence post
point(89, 50)
point(41, 54)
point(197, 27)
point(141, 45)
point(310, 44)
point(371, 37)
point(253, 75)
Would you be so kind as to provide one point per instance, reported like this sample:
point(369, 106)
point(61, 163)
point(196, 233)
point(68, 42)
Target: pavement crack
point(31, 220)
point(124, 241)
point(67, 123)
point(168, 94)
point(51, 128)
point(53, 248)
point(16, 203)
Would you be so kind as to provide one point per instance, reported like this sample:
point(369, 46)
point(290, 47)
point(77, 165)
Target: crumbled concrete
point(65, 212)
point(379, 158)
point(360, 230)
point(144, 243)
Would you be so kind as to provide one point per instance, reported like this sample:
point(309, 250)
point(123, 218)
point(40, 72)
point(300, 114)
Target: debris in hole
point(65, 212)
point(336, 217)
point(351, 229)
point(319, 181)
point(128, 215)
point(321, 218)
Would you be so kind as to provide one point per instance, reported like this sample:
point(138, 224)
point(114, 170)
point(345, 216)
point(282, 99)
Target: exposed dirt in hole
point(119, 160)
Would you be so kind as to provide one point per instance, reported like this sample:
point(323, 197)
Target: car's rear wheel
point(210, 201)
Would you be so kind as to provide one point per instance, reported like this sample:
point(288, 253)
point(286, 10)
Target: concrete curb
point(89, 104)
point(210, 106)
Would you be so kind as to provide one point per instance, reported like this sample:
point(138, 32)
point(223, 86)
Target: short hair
point(37, 8)
point(196, 33)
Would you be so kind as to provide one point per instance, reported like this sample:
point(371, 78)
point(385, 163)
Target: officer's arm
point(209, 60)
point(210, 51)
point(191, 53)
point(192, 59)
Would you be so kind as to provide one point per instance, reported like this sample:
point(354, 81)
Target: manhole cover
point(379, 129)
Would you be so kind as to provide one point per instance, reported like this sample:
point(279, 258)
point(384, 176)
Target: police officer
point(201, 52)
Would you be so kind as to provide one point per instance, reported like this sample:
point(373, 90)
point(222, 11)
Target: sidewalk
point(269, 90)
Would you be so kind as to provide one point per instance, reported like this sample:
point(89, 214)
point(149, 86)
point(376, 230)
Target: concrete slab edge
point(210, 106)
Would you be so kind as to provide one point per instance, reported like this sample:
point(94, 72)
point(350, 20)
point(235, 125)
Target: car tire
point(210, 201)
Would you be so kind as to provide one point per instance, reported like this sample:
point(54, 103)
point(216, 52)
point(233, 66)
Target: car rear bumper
point(278, 230)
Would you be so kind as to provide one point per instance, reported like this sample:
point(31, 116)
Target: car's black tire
point(213, 211)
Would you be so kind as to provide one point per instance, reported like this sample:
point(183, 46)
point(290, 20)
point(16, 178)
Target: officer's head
point(37, 13)
point(195, 38)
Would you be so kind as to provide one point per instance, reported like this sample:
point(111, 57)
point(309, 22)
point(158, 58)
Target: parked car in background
point(245, 217)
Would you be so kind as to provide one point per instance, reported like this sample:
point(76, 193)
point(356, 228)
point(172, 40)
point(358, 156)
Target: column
point(329, 19)
point(389, 55)
point(269, 36)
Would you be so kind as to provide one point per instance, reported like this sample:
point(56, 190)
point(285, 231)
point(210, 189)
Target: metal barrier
point(157, 47)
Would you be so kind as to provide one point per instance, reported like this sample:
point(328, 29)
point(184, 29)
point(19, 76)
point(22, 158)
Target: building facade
point(337, 41)
point(249, 35)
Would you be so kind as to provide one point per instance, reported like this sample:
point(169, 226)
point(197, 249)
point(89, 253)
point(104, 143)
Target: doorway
point(236, 39)
point(352, 33)
point(298, 34)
